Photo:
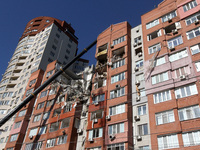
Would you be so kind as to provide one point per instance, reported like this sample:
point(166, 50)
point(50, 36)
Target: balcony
point(16, 74)
point(13, 82)
point(104, 52)
point(21, 61)
point(18, 67)
point(118, 54)
point(101, 67)
point(172, 29)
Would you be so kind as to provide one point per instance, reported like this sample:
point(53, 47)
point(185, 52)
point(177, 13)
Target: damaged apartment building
point(55, 118)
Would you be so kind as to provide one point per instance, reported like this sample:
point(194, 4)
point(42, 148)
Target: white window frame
point(191, 138)
point(62, 139)
point(118, 63)
point(13, 137)
point(38, 145)
point(152, 23)
point(142, 110)
point(162, 96)
point(160, 78)
point(188, 113)
point(189, 5)
point(168, 141)
point(43, 93)
point(118, 109)
point(158, 32)
point(51, 142)
point(159, 61)
point(139, 63)
point(116, 128)
point(118, 77)
point(120, 146)
point(178, 55)
point(22, 113)
point(143, 129)
point(174, 42)
point(185, 91)
point(119, 40)
point(192, 19)
point(117, 93)
point(154, 48)
point(197, 65)
point(195, 49)
point(182, 71)
point(164, 117)
point(42, 130)
point(99, 98)
point(33, 132)
point(17, 124)
point(193, 33)
point(95, 133)
point(37, 117)
point(169, 16)
point(98, 114)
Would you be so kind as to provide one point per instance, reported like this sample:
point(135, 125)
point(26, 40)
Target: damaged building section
point(57, 117)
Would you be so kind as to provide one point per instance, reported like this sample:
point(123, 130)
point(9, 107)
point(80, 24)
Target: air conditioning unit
point(139, 137)
point(63, 132)
point(109, 63)
point(90, 140)
point(95, 120)
point(79, 131)
point(182, 77)
point(135, 44)
point(139, 54)
point(196, 22)
point(137, 118)
point(174, 31)
point(137, 82)
point(112, 137)
point(30, 85)
point(96, 103)
point(172, 48)
point(136, 68)
point(108, 117)
point(30, 137)
point(170, 20)
point(139, 42)
point(137, 99)
point(112, 45)
point(117, 86)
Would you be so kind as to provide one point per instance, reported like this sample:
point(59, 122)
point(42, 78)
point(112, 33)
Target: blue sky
point(88, 17)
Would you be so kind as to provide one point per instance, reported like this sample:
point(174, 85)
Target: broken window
point(54, 127)
point(65, 123)
point(154, 35)
point(97, 114)
point(173, 28)
point(57, 112)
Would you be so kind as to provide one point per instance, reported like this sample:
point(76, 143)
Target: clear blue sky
point(88, 17)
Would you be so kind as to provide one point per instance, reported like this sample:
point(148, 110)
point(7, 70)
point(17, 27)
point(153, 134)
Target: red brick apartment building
point(51, 121)
point(110, 113)
point(172, 64)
